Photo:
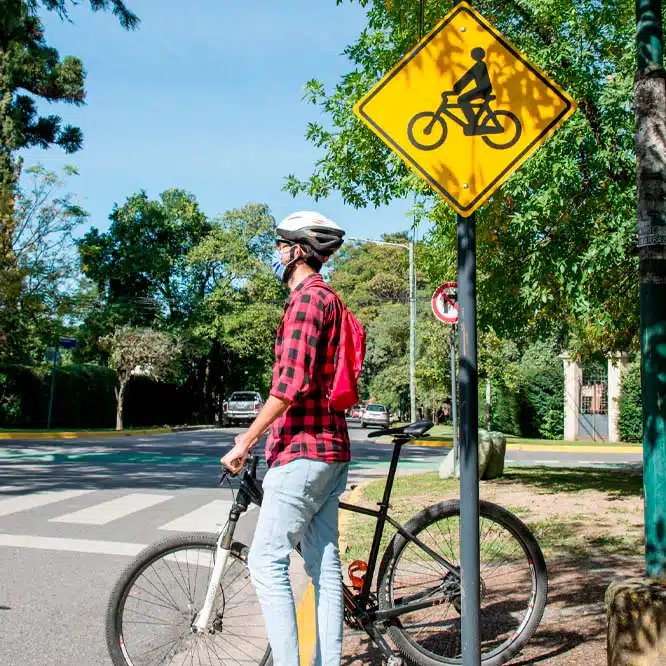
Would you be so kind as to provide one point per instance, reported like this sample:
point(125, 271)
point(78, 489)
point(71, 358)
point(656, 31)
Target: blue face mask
point(277, 266)
point(280, 269)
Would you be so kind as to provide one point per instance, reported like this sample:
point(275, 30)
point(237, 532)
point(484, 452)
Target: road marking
point(32, 501)
point(71, 545)
point(106, 512)
point(206, 518)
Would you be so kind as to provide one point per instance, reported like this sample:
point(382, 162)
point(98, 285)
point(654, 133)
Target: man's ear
point(325, 258)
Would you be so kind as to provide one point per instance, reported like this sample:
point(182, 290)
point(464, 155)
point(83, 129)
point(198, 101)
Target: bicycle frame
point(360, 603)
point(483, 105)
point(250, 491)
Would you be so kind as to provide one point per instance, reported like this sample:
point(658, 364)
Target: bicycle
point(417, 597)
point(487, 125)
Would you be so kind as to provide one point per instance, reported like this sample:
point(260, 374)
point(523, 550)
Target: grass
point(559, 535)
point(445, 432)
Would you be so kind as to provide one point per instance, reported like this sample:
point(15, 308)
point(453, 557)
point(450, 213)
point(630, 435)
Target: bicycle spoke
point(162, 602)
point(152, 603)
point(507, 591)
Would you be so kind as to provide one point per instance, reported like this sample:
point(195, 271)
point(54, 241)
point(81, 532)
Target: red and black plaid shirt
point(305, 347)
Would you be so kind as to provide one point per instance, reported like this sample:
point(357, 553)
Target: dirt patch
point(590, 528)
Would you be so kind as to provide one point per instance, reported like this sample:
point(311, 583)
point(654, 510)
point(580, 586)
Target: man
point(307, 450)
point(477, 74)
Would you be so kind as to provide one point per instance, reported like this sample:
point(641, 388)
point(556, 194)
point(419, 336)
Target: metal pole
point(412, 331)
point(53, 374)
point(469, 452)
point(650, 109)
point(454, 399)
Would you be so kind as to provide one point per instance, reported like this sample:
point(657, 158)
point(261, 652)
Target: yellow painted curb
point(79, 435)
point(574, 449)
point(563, 448)
point(305, 612)
point(307, 631)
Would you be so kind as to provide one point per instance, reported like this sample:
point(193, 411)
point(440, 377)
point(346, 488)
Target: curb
point(104, 433)
point(565, 448)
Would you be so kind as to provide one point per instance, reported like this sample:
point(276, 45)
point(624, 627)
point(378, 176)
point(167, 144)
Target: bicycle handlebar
point(251, 463)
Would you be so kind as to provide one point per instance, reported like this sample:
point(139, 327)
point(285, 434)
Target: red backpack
point(349, 362)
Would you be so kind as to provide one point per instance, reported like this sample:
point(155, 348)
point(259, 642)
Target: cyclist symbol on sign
point(498, 129)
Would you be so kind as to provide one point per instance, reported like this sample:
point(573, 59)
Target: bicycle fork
point(225, 542)
point(222, 553)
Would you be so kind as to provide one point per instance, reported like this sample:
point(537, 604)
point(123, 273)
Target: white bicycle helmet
point(312, 229)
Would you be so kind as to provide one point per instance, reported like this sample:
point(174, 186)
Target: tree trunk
point(120, 399)
point(650, 109)
point(488, 424)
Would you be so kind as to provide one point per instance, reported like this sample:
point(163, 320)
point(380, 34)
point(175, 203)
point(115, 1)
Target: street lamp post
point(412, 316)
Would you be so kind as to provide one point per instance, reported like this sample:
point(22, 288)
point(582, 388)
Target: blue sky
point(207, 96)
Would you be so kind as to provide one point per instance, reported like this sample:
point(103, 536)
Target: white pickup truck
point(242, 407)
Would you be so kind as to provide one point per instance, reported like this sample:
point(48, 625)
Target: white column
point(573, 376)
point(617, 364)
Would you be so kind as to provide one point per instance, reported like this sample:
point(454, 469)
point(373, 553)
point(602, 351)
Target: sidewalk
point(80, 434)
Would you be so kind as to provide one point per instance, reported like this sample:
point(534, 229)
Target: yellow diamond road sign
point(465, 108)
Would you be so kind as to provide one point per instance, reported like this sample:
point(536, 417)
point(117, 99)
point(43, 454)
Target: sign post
point(64, 343)
point(464, 109)
point(454, 398)
point(445, 307)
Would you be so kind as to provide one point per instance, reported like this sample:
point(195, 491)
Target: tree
point(29, 65)
point(139, 352)
point(556, 242)
point(242, 302)
point(140, 264)
point(37, 289)
point(369, 275)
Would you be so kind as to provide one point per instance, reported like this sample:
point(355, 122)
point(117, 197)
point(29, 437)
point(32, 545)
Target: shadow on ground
point(627, 483)
point(573, 629)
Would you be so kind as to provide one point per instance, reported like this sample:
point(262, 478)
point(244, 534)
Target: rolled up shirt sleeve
point(303, 325)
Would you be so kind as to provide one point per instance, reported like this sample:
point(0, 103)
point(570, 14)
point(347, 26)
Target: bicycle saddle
point(409, 431)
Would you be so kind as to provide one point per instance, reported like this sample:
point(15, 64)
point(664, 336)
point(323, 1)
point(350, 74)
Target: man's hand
point(247, 440)
point(234, 459)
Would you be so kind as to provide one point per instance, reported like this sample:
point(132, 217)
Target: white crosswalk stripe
point(106, 512)
point(73, 526)
point(207, 518)
point(27, 502)
point(71, 545)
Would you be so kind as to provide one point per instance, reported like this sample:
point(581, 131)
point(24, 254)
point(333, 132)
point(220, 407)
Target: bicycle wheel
point(513, 586)
point(158, 595)
point(426, 134)
point(511, 131)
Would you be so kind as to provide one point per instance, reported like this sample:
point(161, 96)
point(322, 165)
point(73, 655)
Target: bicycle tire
point(427, 146)
point(410, 648)
point(488, 138)
point(156, 553)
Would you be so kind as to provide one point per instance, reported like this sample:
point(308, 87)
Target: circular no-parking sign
point(445, 303)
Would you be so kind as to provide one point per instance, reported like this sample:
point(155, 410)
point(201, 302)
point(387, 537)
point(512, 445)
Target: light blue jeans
point(300, 506)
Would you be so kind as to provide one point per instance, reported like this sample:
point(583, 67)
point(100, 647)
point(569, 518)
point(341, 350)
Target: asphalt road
point(73, 512)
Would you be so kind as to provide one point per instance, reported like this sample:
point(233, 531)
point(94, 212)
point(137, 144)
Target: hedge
point(535, 410)
point(630, 404)
point(84, 398)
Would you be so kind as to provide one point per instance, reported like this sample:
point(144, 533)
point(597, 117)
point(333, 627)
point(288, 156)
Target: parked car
point(375, 415)
point(354, 412)
point(242, 407)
